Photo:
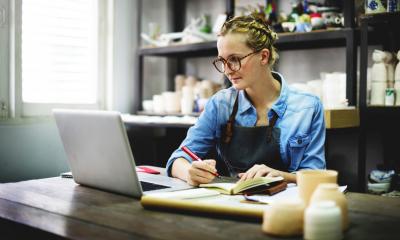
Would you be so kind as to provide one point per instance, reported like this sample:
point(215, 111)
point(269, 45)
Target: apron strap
point(273, 119)
point(231, 121)
point(271, 126)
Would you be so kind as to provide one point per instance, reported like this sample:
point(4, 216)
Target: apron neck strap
point(235, 109)
point(273, 119)
point(231, 121)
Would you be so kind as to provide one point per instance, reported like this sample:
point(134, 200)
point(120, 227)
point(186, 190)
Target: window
point(62, 55)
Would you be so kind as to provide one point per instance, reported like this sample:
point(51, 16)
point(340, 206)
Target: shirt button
point(299, 141)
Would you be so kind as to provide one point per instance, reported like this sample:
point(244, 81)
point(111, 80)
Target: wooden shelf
point(286, 41)
point(158, 125)
point(334, 119)
point(144, 113)
point(192, 50)
point(342, 118)
point(382, 114)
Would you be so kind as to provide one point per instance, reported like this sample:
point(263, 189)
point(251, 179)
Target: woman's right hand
point(200, 172)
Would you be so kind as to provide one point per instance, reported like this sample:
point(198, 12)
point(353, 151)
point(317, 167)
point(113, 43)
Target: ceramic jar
point(179, 82)
point(375, 6)
point(330, 191)
point(322, 220)
point(187, 100)
point(284, 218)
point(378, 78)
point(308, 180)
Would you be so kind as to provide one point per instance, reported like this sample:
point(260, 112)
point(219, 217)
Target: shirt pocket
point(297, 146)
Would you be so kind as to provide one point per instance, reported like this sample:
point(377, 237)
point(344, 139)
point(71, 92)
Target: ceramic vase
point(379, 71)
point(378, 93)
point(322, 220)
point(389, 69)
point(330, 191)
point(284, 218)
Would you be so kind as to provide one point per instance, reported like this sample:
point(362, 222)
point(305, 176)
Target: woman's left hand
point(259, 170)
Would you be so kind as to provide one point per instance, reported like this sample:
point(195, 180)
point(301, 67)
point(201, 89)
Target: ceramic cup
point(158, 104)
point(308, 180)
point(330, 191)
point(172, 103)
point(322, 220)
point(284, 218)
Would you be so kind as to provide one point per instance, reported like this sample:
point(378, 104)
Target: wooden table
point(57, 208)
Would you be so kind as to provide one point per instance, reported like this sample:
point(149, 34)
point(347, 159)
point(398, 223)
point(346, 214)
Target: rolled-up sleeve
point(201, 137)
point(314, 155)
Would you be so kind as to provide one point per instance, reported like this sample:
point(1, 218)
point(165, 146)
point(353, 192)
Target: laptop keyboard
point(146, 186)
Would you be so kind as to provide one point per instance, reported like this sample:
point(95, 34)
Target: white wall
point(124, 50)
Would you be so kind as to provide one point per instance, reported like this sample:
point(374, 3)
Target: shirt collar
point(280, 104)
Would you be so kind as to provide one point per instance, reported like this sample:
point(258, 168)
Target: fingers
point(255, 171)
point(206, 165)
point(201, 172)
point(274, 174)
point(211, 162)
point(262, 172)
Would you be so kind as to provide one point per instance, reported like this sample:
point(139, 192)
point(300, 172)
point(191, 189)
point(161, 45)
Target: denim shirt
point(300, 119)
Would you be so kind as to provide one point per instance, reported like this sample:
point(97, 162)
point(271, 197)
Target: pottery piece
point(284, 218)
point(322, 220)
point(308, 180)
point(330, 191)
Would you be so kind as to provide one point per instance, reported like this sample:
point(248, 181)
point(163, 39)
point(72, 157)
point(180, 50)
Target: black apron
point(243, 147)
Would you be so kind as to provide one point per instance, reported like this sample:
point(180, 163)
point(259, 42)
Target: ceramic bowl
point(284, 218)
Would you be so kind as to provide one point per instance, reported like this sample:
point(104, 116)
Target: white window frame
point(4, 57)
point(18, 108)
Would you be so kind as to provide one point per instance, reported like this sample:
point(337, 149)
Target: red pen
point(196, 158)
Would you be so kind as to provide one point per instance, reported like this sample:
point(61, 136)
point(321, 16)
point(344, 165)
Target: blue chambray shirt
point(300, 118)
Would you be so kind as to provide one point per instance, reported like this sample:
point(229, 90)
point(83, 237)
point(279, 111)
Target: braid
point(259, 34)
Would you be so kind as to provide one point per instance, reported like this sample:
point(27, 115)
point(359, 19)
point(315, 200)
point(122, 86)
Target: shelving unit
point(348, 37)
point(379, 29)
point(343, 37)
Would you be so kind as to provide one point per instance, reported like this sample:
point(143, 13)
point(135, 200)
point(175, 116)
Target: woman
point(259, 126)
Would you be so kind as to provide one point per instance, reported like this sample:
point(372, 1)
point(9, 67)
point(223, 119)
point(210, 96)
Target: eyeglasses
point(233, 62)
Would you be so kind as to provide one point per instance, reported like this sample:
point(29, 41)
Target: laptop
point(99, 154)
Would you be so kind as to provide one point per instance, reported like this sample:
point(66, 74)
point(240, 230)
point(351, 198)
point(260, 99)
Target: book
point(255, 185)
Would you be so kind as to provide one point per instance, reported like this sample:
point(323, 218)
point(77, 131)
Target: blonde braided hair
point(259, 34)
